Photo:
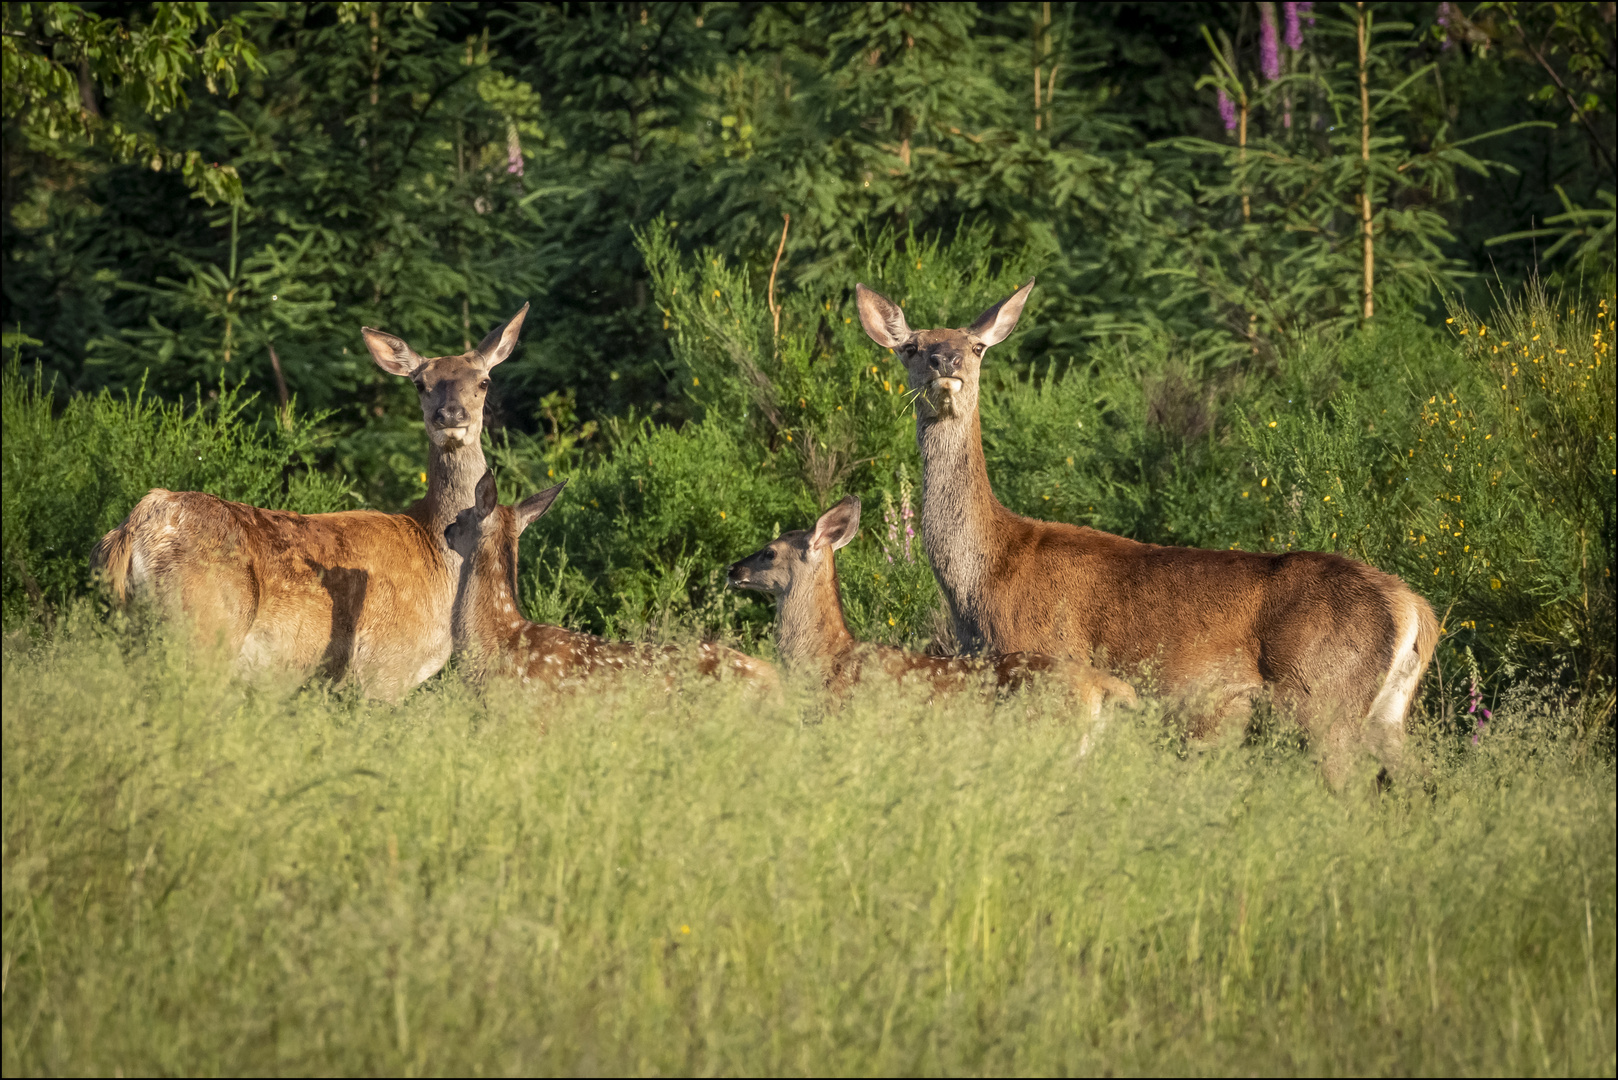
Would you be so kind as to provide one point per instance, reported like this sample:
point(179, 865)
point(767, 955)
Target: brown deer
point(357, 595)
point(799, 569)
point(492, 634)
point(1330, 638)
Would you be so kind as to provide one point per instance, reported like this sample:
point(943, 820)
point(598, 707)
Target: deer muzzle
point(941, 394)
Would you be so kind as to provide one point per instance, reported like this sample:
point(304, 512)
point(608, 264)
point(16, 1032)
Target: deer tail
point(120, 560)
point(110, 562)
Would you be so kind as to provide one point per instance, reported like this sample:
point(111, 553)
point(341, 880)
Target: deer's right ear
point(881, 318)
point(838, 526)
point(487, 497)
point(391, 353)
point(502, 339)
point(534, 507)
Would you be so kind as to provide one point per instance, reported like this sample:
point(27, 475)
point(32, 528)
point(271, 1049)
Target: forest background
point(1260, 232)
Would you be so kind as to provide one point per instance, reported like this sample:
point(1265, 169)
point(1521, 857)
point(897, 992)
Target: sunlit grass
point(202, 877)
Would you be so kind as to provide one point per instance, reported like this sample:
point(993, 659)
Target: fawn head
point(452, 388)
point(942, 364)
point(795, 559)
point(486, 524)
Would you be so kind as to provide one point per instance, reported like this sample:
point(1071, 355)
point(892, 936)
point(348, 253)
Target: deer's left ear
point(996, 324)
point(838, 526)
point(535, 507)
point(502, 339)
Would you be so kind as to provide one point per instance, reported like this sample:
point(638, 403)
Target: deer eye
point(483, 385)
point(769, 554)
point(977, 350)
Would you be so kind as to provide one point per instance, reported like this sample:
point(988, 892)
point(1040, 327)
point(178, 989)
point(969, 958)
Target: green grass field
point(203, 877)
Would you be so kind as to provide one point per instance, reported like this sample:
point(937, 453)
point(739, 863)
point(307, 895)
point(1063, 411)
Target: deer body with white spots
point(491, 632)
point(359, 595)
point(799, 569)
point(1331, 639)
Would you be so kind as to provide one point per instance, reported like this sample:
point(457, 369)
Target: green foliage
point(56, 57)
point(207, 877)
point(426, 168)
point(1493, 495)
point(73, 475)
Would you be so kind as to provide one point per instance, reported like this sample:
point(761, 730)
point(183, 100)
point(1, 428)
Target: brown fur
point(1332, 639)
point(492, 633)
point(800, 570)
point(357, 595)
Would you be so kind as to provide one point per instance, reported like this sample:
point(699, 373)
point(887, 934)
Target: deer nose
point(450, 416)
point(941, 365)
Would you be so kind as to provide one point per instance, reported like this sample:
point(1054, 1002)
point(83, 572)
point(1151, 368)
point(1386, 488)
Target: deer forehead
point(940, 341)
point(466, 371)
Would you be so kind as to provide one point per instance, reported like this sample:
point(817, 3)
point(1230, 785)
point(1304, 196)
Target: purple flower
point(1294, 36)
point(1443, 20)
point(1227, 111)
point(1269, 46)
point(1484, 715)
point(890, 519)
point(1307, 10)
point(513, 151)
point(906, 512)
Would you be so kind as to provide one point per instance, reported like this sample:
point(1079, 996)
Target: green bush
point(74, 474)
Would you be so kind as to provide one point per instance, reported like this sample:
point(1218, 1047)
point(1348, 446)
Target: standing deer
point(492, 633)
point(799, 569)
point(357, 595)
point(1330, 638)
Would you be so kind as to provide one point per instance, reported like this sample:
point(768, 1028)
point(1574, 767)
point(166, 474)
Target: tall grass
point(202, 876)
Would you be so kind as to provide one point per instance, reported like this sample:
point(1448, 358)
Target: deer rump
point(1322, 632)
point(357, 595)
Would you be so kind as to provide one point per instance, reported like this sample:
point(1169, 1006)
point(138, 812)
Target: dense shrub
point(72, 475)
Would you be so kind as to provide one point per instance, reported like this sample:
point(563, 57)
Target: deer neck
point(452, 483)
point(958, 513)
point(487, 622)
point(810, 631)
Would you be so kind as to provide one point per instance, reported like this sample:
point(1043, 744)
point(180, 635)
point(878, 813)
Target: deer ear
point(534, 507)
point(391, 353)
point(502, 339)
point(881, 318)
point(487, 497)
point(996, 324)
point(838, 526)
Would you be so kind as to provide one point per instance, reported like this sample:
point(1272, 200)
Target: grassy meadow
point(207, 877)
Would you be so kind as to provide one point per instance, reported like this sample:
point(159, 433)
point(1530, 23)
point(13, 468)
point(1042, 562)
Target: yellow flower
point(684, 929)
point(891, 622)
point(721, 515)
point(1272, 423)
point(694, 381)
point(424, 478)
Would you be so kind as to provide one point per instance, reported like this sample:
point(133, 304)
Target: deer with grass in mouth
point(799, 569)
point(1338, 643)
point(492, 634)
point(358, 595)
